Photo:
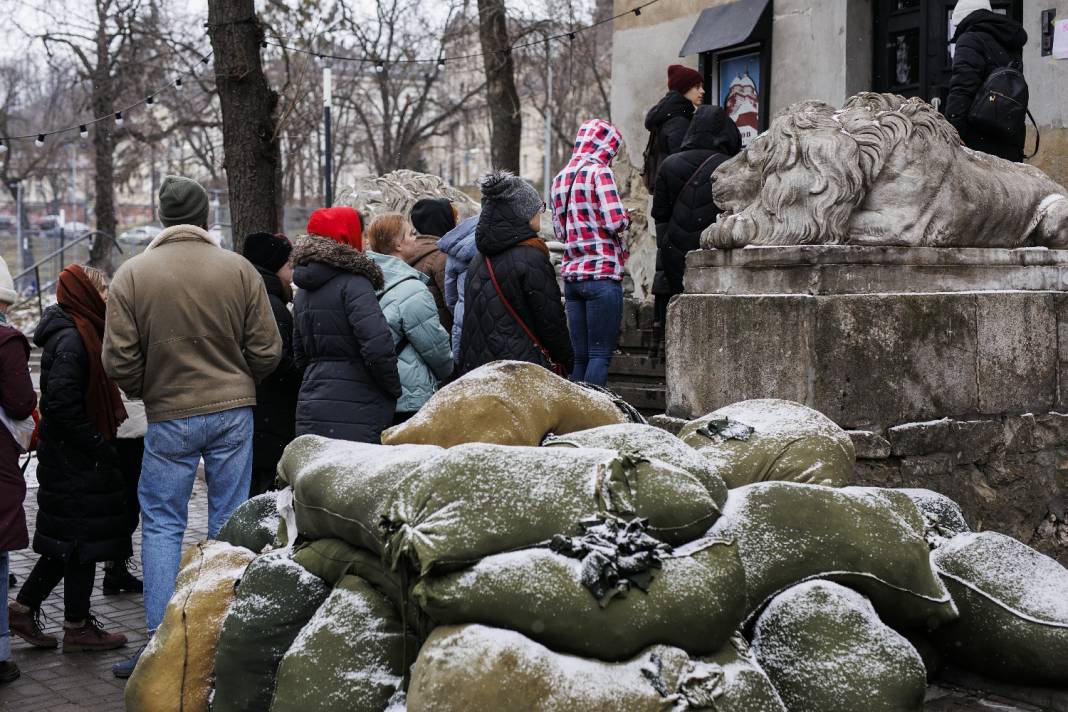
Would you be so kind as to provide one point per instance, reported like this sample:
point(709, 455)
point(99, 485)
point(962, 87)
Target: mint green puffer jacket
point(426, 358)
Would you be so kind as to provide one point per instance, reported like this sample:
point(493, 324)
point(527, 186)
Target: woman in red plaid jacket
point(589, 218)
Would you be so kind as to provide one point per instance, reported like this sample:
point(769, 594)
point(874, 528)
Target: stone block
point(1060, 307)
point(1019, 434)
point(1051, 431)
point(1017, 361)
point(869, 445)
point(894, 358)
point(725, 349)
point(965, 441)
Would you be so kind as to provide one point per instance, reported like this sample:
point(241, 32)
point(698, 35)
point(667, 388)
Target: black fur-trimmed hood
point(317, 260)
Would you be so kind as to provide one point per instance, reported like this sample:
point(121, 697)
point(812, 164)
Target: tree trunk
point(103, 103)
point(506, 118)
point(251, 150)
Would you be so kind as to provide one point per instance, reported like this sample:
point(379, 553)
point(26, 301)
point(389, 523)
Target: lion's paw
point(728, 233)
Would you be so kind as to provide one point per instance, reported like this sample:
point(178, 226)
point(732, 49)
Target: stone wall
point(1048, 80)
point(1008, 474)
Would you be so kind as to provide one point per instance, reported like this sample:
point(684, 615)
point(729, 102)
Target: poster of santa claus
point(740, 92)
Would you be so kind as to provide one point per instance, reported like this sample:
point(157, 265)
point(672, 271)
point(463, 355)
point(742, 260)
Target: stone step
point(643, 365)
point(650, 398)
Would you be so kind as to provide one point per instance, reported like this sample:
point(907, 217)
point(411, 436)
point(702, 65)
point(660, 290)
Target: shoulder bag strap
point(556, 366)
point(567, 200)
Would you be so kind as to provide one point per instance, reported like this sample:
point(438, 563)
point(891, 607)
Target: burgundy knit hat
point(683, 79)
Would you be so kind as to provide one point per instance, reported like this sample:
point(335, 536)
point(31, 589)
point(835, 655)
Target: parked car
point(68, 231)
point(7, 223)
point(140, 235)
point(49, 223)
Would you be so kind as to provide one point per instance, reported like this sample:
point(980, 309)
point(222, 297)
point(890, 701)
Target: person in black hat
point(276, 396)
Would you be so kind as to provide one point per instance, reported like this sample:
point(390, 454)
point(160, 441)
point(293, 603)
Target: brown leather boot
point(25, 622)
point(88, 635)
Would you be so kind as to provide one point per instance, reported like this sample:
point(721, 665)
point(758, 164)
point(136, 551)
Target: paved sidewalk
point(54, 682)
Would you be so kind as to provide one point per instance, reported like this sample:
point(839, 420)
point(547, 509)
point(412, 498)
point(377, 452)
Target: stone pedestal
point(941, 360)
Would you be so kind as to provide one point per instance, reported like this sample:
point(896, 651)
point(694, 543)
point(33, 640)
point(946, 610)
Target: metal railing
point(35, 268)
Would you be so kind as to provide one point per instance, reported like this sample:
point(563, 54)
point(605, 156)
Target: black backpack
point(999, 110)
point(651, 160)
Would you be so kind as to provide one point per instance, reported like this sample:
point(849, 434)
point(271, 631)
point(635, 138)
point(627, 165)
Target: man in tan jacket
point(189, 331)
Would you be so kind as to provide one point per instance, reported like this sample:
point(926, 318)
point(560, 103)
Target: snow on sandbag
point(334, 559)
point(175, 671)
point(651, 443)
point(768, 439)
point(253, 525)
point(695, 601)
point(275, 599)
point(824, 648)
point(943, 518)
point(475, 500)
point(507, 403)
point(350, 657)
point(474, 667)
point(341, 489)
point(1013, 605)
point(869, 539)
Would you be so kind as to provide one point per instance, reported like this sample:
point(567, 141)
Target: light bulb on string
point(441, 64)
point(3, 147)
point(150, 100)
point(380, 66)
point(178, 83)
point(83, 131)
point(637, 12)
point(571, 36)
point(39, 141)
point(118, 118)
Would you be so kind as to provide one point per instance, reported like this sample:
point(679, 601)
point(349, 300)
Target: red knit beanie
point(341, 224)
point(683, 79)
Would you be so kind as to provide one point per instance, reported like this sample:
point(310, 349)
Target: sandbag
point(695, 602)
point(773, 440)
point(1013, 605)
point(175, 671)
point(474, 667)
point(868, 539)
point(350, 657)
point(651, 443)
point(275, 599)
point(475, 500)
point(745, 686)
point(341, 489)
point(943, 518)
point(507, 403)
point(253, 525)
point(824, 648)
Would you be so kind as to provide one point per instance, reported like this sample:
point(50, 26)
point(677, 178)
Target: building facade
point(760, 56)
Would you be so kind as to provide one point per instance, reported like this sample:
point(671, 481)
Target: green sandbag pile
point(350, 657)
point(475, 667)
point(650, 443)
point(943, 518)
point(869, 539)
point(695, 602)
point(275, 599)
point(773, 440)
point(253, 525)
point(825, 649)
point(1013, 605)
point(341, 489)
point(475, 500)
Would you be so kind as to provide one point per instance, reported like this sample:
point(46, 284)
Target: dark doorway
point(912, 51)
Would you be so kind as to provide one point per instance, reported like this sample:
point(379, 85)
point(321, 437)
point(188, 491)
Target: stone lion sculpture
point(884, 170)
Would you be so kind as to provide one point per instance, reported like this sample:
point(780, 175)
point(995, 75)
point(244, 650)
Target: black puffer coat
point(527, 277)
point(985, 41)
point(682, 201)
point(341, 338)
point(276, 395)
point(81, 500)
point(670, 117)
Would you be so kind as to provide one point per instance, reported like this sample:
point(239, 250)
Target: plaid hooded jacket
point(593, 228)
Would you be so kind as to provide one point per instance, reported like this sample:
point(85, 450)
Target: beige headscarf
point(967, 7)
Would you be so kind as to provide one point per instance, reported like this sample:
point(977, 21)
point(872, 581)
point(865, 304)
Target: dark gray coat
point(341, 339)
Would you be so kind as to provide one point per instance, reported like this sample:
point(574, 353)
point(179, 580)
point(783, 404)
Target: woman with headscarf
point(82, 515)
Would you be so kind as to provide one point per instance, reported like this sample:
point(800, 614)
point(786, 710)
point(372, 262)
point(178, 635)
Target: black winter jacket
point(977, 55)
point(276, 395)
point(528, 280)
point(341, 338)
point(682, 201)
point(670, 117)
point(81, 500)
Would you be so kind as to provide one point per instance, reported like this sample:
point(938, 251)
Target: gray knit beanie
point(182, 201)
point(503, 188)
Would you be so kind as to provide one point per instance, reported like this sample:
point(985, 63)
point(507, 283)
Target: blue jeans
point(594, 312)
point(5, 633)
point(173, 450)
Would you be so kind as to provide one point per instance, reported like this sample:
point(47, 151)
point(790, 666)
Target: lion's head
point(799, 182)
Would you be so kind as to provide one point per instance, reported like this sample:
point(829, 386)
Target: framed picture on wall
point(741, 89)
